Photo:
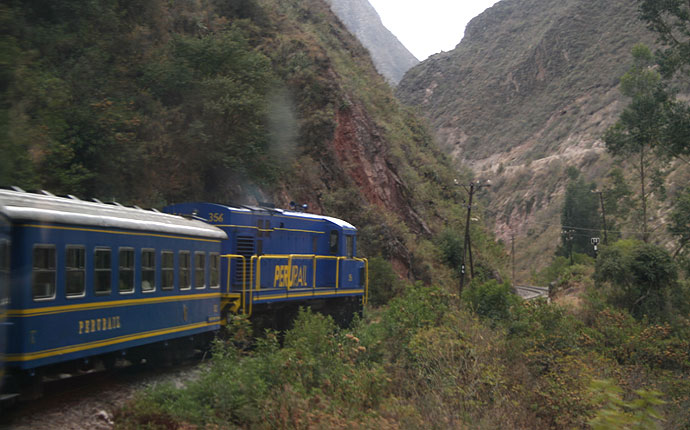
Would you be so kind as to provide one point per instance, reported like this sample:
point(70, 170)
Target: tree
point(641, 274)
point(639, 130)
point(670, 20)
point(581, 214)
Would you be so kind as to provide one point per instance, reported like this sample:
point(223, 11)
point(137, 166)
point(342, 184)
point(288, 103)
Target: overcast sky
point(427, 27)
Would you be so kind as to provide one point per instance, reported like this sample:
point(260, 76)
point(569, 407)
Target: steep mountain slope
point(153, 102)
point(528, 92)
point(390, 56)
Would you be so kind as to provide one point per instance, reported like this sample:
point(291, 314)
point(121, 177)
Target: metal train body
point(274, 257)
point(5, 245)
point(90, 281)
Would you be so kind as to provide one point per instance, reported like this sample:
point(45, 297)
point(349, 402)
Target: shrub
point(490, 300)
point(616, 334)
point(383, 282)
point(543, 332)
point(616, 413)
point(641, 275)
point(318, 364)
point(451, 245)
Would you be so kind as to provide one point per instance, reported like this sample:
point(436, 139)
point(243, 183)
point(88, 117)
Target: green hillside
point(152, 102)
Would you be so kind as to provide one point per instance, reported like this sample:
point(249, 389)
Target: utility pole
point(467, 247)
point(603, 212)
point(512, 255)
point(467, 236)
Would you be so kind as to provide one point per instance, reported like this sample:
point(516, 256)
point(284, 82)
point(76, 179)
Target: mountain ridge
point(391, 58)
point(527, 93)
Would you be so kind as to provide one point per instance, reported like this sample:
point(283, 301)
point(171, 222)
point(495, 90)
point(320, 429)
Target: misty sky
point(427, 27)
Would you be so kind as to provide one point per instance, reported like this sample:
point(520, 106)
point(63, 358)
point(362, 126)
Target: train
point(86, 282)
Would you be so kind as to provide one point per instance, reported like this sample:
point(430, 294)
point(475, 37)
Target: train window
point(167, 270)
point(185, 274)
point(214, 270)
point(350, 245)
point(148, 270)
point(260, 227)
point(43, 286)
point(4, 272)
point(75, 271)
point(102, 270)
point(126, 271)
point(334, 242)
point(199, 270)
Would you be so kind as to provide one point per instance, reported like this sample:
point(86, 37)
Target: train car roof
point(337, 221)
point(260, 210)
point(26, 206)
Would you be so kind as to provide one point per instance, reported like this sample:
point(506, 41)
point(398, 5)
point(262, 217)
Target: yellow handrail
point(366, 279)
point(244, 274)
point(251, 284)
point(256, 285)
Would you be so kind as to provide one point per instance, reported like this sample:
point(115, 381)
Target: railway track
point(88, 401)
point(529, 292)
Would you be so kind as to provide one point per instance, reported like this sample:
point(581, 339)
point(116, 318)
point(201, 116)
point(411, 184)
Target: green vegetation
point(621, 414)
point(429, 360)
point(642, 275)
point(156, 101)
point(153, 102)
point(580, 219)
point(102, 99)
point(638, 133)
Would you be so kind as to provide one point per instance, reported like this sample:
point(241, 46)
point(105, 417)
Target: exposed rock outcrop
point(390, 56)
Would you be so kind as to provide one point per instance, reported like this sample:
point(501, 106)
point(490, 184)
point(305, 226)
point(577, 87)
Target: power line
point(581, 228)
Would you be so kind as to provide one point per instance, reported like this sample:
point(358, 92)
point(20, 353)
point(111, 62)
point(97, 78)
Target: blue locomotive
point(273, 258)
point(85, 281)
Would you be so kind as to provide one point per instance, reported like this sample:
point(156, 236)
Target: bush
point(617, 413)
point(490, 300)
point(318, 367)
point(418, 308)
point(383, 282)
point(451, 245)
point(616, 334)
point(641, 276)
point(560, 267)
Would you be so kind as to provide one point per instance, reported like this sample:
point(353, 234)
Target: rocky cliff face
point(390, 56)
point(528, 92)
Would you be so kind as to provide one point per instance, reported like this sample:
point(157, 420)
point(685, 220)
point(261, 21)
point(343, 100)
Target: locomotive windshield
point(334, 242)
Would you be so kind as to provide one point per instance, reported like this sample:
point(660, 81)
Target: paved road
point(528, 292)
